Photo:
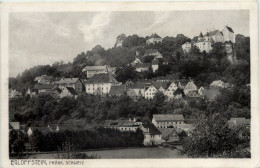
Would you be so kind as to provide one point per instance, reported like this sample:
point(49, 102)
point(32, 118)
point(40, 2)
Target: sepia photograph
point(173, 84)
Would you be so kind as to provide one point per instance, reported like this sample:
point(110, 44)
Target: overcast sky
point(43, 38)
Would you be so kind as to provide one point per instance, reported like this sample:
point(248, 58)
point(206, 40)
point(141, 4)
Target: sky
point(43, 38)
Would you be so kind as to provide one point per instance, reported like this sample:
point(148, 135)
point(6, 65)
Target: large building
point(123, 124)
point(204, 42)
point(168, 120)
point(100, 84)
point(154, 38)
point(93, 70)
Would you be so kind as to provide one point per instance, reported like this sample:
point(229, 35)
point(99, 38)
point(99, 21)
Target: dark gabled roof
point(150, 51)
point(184, 82)
point(230, 29)
point(57, 89)
point(152, 129)
point(120, 123)
point(131, 92)
point(192, 94)
point(72, 91)
point(42, 77)
point(43, 86)
point(212, 33)
point(168, 117)
point(67, 80)
point(117, 90)
point(178, 91)
point(138, 85)
point(167, 132)
point(164, 85)
point(101, 78)
point(154, 36)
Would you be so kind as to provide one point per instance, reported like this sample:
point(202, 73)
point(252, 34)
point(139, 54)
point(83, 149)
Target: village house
point(190, 86)
point(137, 90)
point(117, 90)
point(169, 135)
point(129, 82)
point(74, 83)
point(170, 91)
point(44, 79)
point(155, 65)
point(161, 86)
point(168, 120)
point(123, 124)
point(68, 92)
point(133, 94)
point(42, 89)
point(192, 95)
point(56, 92)
point(217, 83)
point(142, 67)
point(100, 84)
point(150, 92)
point(152, 136)
point(136, 61)
point(154, 38)
point(186, 47)
point(200, 91)
point(93, 70)
point(153, 52)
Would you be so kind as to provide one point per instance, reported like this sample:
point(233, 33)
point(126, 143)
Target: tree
point(194, 50)
point(125, 73)
point(218, 52)
point(212, 137)
point(159, 98)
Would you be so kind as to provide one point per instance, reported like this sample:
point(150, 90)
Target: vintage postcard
point(130, 84)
